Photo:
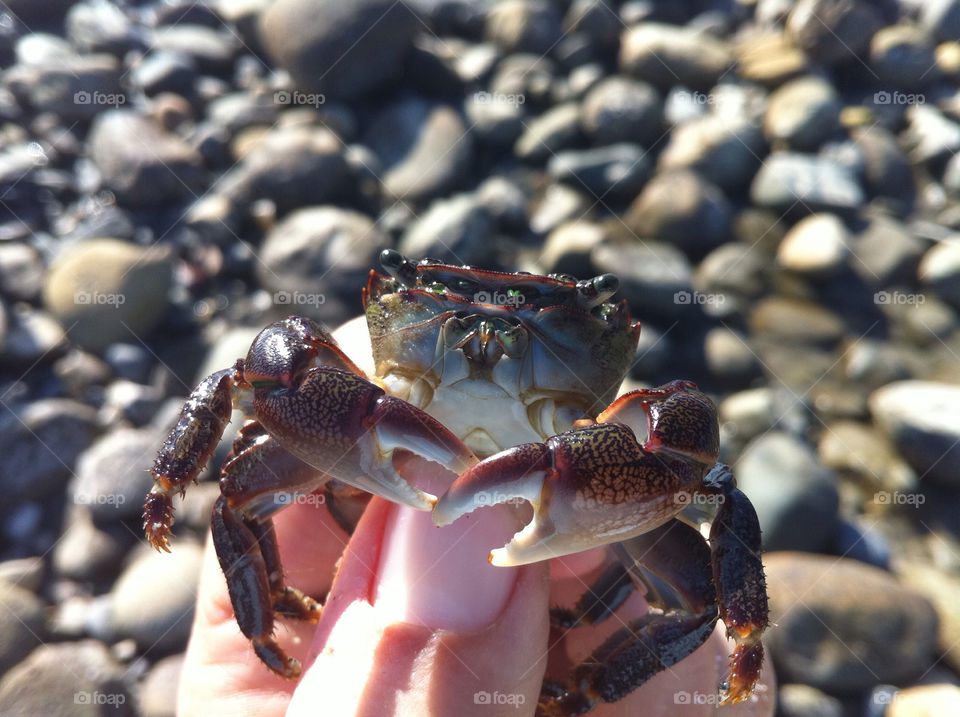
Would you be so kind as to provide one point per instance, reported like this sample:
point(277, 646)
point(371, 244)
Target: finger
point(221, 674)
point(418, 621)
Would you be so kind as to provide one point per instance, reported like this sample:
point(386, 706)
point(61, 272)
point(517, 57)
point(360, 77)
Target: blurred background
point(776, 184)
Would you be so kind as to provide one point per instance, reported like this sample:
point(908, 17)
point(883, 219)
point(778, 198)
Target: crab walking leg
point(671, 565)
point(740, 581)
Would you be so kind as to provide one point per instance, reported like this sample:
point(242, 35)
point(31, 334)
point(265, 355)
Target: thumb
point(418, 622)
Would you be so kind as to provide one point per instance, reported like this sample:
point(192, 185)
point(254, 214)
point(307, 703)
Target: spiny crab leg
point(305, 393)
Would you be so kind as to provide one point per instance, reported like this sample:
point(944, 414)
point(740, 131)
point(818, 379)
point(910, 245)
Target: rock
point(940, 270)
point(425, 149)
point(794, 700)
point(930, 136)
point(556, 129)
point(21, 271)
point(617, 170)
point(157, 619)
point(734, 268)
point(524, 26)
point(318, 255)
point(530, 76)
point(113, 474)
point(26, 573)
point(34, 10)
point(862, 451)
point(922, 420)
point(165, 71)
point(567, 248)
point(803, 113)
point(156, 697)
point(496, 119)
point(797, 510)
point(683, 208)
point(941, 18)
point(795, 321)
point(858, 627)
point(746, 414)
point(666, 55)
point(619, 109)
point(140, 162)
point(129, 402)
point(506, 200)
point(456, 230)
point(769, 58)
point(99, 27)
point(723, 149)
point(76, 88)
point(887, 253)
point(817, 246)
point(925, 701)
point(293, 167)
point(84, 552)
point(651, 274)
point(728, 355)
point(902, 57)
point(32, 336)
point(212, 50)
point(940, 588)
point(887, 172)
point(72, 679)
point(104, 290)
point(41, 48)
point(361, 45)
point(803, 183)
point(832, 32)
point(22, 624)
point(39, 446)
point(558, 204)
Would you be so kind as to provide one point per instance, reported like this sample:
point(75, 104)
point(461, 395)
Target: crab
point(544, 357)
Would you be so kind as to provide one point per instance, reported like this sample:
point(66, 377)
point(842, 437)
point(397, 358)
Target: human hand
point(416, 622)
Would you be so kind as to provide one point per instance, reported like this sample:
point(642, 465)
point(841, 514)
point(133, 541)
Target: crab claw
point(588, 487)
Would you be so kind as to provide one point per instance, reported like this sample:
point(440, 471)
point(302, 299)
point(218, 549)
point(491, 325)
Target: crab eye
point(464, 286)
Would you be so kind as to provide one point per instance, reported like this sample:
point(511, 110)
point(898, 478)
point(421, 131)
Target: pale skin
point(416, 622)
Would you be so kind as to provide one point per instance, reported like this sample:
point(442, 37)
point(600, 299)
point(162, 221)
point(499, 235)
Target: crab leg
point(308, 395)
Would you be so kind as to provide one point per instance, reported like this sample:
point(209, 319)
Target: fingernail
point(441, 577)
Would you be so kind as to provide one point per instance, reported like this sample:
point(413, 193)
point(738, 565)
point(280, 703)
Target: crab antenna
point(593, 292)
point(399, 267)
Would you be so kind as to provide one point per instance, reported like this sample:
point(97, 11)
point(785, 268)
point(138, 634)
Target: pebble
point(318, 255)
point(524, 26)
point(21, 271)
point(556, 129)
point(724, 149)
point(157, 619)
point(99, 27)
point(862, 451)
point(84, 551)
point(617, 170)
point(941, 589)
point(157, 699)
point(113, 474)
point(651, 275)
point(729, 356)
point(666, 55)
point(802, 113)
point(834, 33)
point(817, 246)
point(682, 208)
point(39, 446)
point(557, 205)
point(858, 627)
point(887, 253)
point(567, 248)
point(26, 573)
point(106, 290)
point(165, 71)
point(497, 120)
point(72, 679)
point(902, 57)
point(620, 109)
point(798, 510)
point(922, 419)
point(795, 321)
point(887, 171)
point(769, 58)
point(425, 149)
point(789, 181)
point(22, 624)
point(32, 336)
point(212, 50)
point(941, 18)
point(360, 44)
point(143, 165)
point(797, 700)
point(930, 137)
point(456, 230)
point(940, 270)
point(74, 88)
point(925, 701)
